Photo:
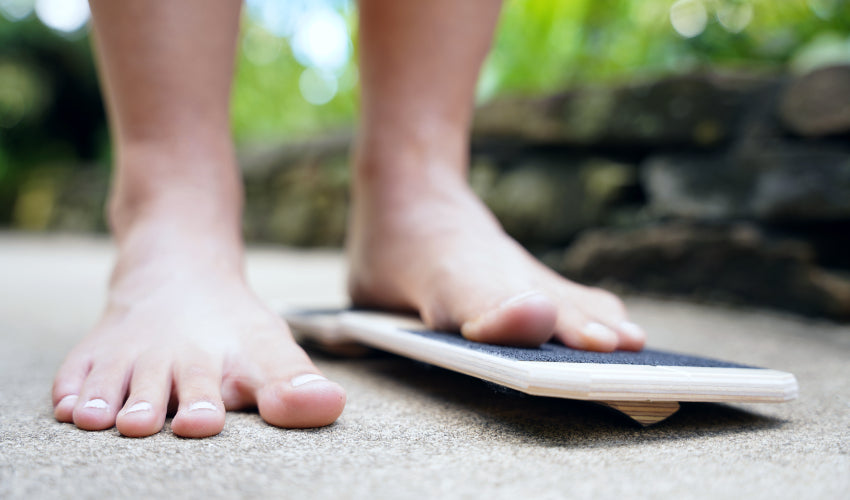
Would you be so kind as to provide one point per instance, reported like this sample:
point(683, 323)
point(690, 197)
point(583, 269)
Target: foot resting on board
point(427, 244)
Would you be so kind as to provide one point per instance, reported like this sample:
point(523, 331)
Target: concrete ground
point(412, 431)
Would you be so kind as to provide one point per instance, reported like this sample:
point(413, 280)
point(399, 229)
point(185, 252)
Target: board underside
point(646, 385)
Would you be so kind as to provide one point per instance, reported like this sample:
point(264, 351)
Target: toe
point(203, 417)
point(631, 336)
point(67, 386)
point(63, 410)
point(306, 400)
point(578, 331)
point(293, 393)
point(150, 387)
point(102, 395)
point(198, 385)
point(527, 319)
point(607, 309)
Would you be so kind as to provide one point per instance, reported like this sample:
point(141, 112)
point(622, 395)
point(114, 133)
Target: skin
point(181, 329)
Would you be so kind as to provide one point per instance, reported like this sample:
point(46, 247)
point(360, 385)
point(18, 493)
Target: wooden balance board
point(647, 385)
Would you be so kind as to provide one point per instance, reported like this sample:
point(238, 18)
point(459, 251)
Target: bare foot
point(182, 330)
point(420, 239)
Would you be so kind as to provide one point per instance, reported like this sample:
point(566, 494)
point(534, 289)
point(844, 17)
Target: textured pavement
point(412, 431)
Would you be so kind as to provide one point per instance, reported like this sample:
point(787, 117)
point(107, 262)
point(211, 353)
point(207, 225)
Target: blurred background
point(694, 148)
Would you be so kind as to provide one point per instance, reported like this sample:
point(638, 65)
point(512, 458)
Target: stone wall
point(716, 186)
point(722, 187)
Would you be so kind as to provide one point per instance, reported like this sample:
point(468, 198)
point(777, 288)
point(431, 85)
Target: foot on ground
point(426, 243)
point(186, 335)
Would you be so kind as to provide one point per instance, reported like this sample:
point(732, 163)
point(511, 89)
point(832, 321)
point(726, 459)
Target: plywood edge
point(322, 330)
point(613, 382)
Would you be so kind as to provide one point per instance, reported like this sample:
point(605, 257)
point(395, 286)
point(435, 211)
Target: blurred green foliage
point(267, 101)
point(544, 45)
point(51, 116)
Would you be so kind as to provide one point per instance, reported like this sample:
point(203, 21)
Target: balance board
point(647, 385)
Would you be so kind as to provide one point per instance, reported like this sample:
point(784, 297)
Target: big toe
point(527, 319)
point(306, 400)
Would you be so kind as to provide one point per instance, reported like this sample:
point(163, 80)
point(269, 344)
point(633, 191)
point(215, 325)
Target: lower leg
point(419, 64)
point(419, 238)
point(179, 315)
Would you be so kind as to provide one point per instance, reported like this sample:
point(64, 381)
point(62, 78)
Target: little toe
point(144, 412)
point(527, 319)
point(201, 410)
point(101, 396)
point(67, 385)
point(302, 401)
point(63, 410)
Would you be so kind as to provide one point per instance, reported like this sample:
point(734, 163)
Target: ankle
point(158, 249)
point(401, 178)
point(170, 220)
point(189, 210)
point(153, 186)
point(410, 156)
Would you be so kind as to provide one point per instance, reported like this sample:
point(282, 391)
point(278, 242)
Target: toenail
point(140, 406)
point(98, 404)
point(634, 331)
point(600, 332)
point(516, 299)
point(202, 405)
point(70, 398)
point(305, 379)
